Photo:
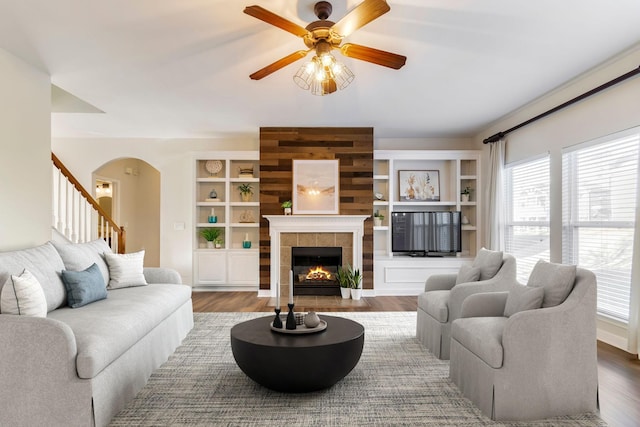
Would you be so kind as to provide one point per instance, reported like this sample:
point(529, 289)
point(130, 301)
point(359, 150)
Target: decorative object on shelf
point(247, 216)
point(464, 220)
point(287, 207)
point(246, 191)
point(419, 185)
point(213, 166)
point(212, 219)
point(311, 320)
point(213, 195)
point(465, 194)
point(246, 172)
point(291, 320)
point(246, 243)
point(377, 219)
point(316, 186)
point(211, 235)
point(378, 196)
point(218, 243)
point(277, 322)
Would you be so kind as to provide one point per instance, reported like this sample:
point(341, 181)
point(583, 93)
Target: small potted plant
point(356, 284)
point(344, 279)
point(218, 242)
point(377, 219)
point(465, 194)
point(246, 191)
point(287, 207)
point(210, 235)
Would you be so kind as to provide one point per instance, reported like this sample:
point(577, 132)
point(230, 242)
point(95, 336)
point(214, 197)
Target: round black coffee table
point(297, 363)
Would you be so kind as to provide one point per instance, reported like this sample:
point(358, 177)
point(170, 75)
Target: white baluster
point(59, 201)
point(67, 207)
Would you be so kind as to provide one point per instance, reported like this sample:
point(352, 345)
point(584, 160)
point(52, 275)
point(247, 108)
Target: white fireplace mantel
point(279, 224)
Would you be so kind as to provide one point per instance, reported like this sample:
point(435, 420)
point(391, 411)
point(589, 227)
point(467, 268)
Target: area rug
point(396, 382)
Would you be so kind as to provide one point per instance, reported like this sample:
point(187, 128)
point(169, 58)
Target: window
point(527, 213)
point(599, 205)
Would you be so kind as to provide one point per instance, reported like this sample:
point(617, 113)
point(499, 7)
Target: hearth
point(314, 270)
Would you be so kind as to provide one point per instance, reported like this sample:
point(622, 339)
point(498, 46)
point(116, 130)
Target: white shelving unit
point(231, 267)
point(397, 274)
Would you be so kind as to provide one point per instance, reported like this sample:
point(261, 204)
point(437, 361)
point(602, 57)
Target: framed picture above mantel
point(316, 187)
point(423, 186)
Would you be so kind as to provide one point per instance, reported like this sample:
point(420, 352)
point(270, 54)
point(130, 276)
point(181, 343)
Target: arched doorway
point(132, 188)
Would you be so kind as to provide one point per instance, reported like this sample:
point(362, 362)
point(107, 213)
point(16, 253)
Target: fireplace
point(314, 270)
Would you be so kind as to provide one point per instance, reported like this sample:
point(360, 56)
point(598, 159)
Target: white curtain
point(496, 217)
point(633, 329)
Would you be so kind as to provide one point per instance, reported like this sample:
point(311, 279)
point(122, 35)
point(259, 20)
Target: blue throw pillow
point(84, 287)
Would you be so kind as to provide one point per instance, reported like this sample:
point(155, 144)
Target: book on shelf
point(212, 200)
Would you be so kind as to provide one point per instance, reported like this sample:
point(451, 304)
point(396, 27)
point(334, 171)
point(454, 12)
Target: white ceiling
point(180, 68)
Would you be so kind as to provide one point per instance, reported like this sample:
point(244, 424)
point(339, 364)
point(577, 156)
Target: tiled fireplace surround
point(345, 231)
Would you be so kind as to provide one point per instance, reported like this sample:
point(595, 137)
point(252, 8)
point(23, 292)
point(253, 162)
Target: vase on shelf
point(246, 197)
point(465, 198)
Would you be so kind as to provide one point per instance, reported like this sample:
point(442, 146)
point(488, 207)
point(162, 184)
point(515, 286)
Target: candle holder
point(277, 322)
point(291, 320)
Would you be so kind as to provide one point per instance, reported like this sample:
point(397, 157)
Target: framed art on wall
point(316, 187)
point(419, 185)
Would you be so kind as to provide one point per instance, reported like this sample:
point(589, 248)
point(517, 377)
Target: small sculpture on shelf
point(246, 172)
point(247, 216)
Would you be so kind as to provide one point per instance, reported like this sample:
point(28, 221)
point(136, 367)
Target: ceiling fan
point(322, 36)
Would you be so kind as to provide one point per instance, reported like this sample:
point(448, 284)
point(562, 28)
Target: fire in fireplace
point(314, 270)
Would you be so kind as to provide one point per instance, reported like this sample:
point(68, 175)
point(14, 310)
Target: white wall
point(613, 110)
point(25, 154)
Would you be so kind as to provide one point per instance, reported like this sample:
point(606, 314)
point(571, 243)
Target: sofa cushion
point(523, 298)
point(489, 263)
point(80, 256)
point(126, 270)
point(23, 295)
point(467, 273)
point(106, 329)
point(482, 336)
point(556, 279)
point(44, 263)
point(435, 304)
point(84, 287)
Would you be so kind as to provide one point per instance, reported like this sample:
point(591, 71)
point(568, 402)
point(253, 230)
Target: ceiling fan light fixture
point(323, 75)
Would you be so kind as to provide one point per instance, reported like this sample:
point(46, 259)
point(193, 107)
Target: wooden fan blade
point(375, 56)
point(360, 16)
point(280, 63)
point(275, 20)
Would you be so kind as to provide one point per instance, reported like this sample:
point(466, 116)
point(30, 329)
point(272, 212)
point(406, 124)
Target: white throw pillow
point(125, 270)
point(23, 295)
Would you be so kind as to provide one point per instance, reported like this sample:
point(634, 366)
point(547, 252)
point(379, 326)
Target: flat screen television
point(426, 233)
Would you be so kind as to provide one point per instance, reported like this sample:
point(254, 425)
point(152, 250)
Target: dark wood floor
point(618, 371)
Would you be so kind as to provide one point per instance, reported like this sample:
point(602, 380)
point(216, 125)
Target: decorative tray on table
point(300, 329)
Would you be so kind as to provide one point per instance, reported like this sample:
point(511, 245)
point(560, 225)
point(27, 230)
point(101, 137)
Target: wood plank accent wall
point(352, 146)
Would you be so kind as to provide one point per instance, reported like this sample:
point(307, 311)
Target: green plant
point(378, 215)
point(286, 204)
point(467, 190)
point(348, 277)
point(210, 234)
point(245, 189)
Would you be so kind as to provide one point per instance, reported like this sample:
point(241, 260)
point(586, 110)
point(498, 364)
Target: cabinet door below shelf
point(244, 267)
point(211, 267)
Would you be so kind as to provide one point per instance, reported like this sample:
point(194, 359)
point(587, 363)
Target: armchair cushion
point(482, 336)
point(436, 304)
point(556, 279)
point(523, 298)
point(468, 273)
point(489, 262)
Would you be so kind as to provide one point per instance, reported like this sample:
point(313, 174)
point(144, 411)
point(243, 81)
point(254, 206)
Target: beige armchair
point(535, 364)
point(441, 303)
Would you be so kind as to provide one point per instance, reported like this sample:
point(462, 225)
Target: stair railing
point(77, 215)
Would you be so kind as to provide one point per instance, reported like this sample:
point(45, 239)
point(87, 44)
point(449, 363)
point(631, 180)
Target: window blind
point(599, 205)
point(527, 216)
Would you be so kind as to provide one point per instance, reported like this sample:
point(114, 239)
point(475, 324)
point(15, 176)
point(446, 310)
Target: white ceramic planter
point(465, 197)
point(377, 222)
point(356, 294)
point(346, 293)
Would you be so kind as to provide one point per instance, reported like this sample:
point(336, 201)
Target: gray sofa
point(441, 302)
point(80, 366)
point(535, 364)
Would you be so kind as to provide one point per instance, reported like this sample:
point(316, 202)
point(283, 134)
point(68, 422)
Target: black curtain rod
point(498, 136)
